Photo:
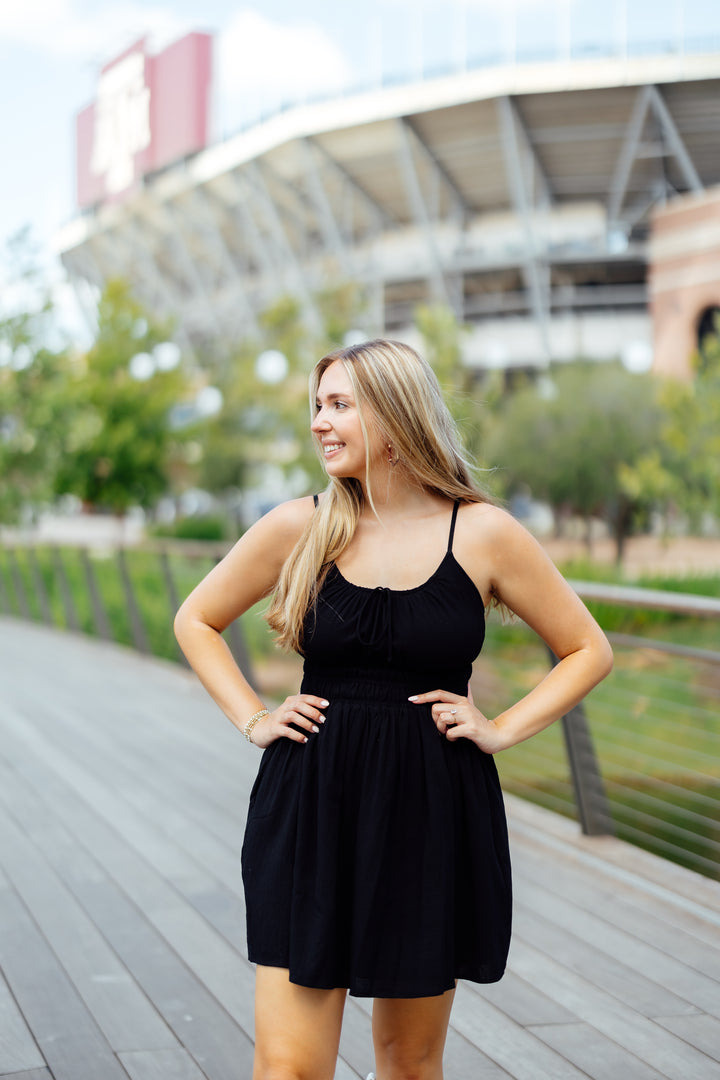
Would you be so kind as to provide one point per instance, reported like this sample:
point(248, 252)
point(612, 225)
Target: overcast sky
point(51, 52)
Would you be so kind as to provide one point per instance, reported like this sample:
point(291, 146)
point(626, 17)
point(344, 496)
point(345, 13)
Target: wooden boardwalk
point(122, 802)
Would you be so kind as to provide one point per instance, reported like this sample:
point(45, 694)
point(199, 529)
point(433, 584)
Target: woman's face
point(337, 425)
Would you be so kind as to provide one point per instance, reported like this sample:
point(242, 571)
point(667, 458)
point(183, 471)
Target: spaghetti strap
point(315, 500)
point(452, 524)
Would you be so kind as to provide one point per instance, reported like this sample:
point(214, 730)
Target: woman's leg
point(297, 1028)
point(409, 1036)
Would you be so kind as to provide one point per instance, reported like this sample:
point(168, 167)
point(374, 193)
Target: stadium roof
point(471, 188)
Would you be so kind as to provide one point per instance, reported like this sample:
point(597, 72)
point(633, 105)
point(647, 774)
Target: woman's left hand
point(456, 717)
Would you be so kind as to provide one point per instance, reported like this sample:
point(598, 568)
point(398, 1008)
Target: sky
point(51, 52)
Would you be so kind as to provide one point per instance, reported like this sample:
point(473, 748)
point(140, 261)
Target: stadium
point(523, 195)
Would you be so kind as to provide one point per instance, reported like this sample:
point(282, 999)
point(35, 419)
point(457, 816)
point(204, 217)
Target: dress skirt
point(376, 854)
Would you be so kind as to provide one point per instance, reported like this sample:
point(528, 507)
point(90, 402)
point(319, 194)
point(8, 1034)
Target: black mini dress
point(375, 855)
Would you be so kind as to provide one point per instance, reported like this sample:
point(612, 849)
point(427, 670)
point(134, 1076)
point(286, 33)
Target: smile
point(330, 448)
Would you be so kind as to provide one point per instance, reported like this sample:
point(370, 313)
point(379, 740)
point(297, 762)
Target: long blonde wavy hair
point(398, 396)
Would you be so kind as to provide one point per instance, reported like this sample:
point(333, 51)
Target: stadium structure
point(520, 195)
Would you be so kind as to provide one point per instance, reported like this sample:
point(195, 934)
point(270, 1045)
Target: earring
point(392, 461)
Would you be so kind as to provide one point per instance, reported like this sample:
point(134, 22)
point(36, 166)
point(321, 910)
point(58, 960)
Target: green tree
point(32, 376)
point(118, 452)
point(571, 438)
point(470, 401)
point(264, 425)
point(692, 434)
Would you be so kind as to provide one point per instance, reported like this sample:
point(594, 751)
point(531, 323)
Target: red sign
point(149, 112)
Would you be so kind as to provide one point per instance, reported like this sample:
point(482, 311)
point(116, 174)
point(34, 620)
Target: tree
point(119, 449)
point(32, 376)
point(571, 440)
point(443, 346)
point(264, 424)
point(692, 434)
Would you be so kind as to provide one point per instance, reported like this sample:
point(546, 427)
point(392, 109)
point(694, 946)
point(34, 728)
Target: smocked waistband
point(380, 684)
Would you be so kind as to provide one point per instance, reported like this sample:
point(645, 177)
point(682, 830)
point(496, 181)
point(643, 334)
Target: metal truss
point(422, 216)
point(277, 235)
point(648, 101)
point(530, 191)
point(333, 237)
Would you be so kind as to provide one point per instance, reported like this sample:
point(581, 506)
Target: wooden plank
point(120, 1009)
point(569, 906)
point(616, 963)
point(67, 1035)
point(592, 1052)
point(18, 1049)
point(521, 1002)
point(628, 910)
point(161, 1065)
point(32, 1074)
point(680, 890)
point(511, 1046)
point(701, 1031)
point(133, 925)
point(638, 1035)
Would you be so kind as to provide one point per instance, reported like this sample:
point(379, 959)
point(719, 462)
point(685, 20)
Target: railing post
point(100, 618)
point(591, 799)
point(172, 594)
point(5, 605)
point(139, 636)
point(39, 585)
point(18, 585)
point(71, 615)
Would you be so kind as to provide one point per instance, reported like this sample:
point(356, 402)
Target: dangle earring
point(392, 461)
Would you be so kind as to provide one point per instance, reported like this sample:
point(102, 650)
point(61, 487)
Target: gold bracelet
point(247, 730)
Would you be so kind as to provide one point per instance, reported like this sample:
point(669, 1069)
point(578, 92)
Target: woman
point(375, 857)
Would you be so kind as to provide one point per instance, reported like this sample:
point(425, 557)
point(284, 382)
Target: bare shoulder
point(496, 529)
point(287, 520)
point(275, 534)
point(496, 550)
point(251, 568)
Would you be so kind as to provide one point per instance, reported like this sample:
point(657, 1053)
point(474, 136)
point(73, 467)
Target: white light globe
point(142, 366)
point(637, 357)
point(167, 355)
point(209, 401)
point(271, 366)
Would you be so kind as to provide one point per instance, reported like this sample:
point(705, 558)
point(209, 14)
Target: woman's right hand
point(303, 710)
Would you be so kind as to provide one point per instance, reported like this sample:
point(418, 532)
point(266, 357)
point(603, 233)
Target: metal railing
point(639, 758)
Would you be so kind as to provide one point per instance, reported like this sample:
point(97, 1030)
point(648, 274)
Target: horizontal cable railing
point(640, 758)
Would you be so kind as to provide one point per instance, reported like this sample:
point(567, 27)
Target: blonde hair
point(397, 392)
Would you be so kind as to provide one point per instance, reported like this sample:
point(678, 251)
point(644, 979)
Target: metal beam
point(648, 99)
point(673, 137)
point(252, 173)
point(377, 211)
point(537, 183)
point(628, 151)
point(213, 235)
point(462, 209)
point(436, 278)
point(535, 269)
point(334, 240)
point(270, 270)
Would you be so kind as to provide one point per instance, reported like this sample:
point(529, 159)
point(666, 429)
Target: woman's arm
point(522, 576)
point(248, 573)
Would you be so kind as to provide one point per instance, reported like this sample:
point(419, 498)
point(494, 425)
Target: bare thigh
point(409, 1036)
point(297, 1028)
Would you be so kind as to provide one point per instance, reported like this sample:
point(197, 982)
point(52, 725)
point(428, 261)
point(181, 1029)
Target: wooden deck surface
point(122, 942)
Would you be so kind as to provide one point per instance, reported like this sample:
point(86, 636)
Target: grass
point(655, 721)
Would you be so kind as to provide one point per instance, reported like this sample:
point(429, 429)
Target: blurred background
point(197, 204)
